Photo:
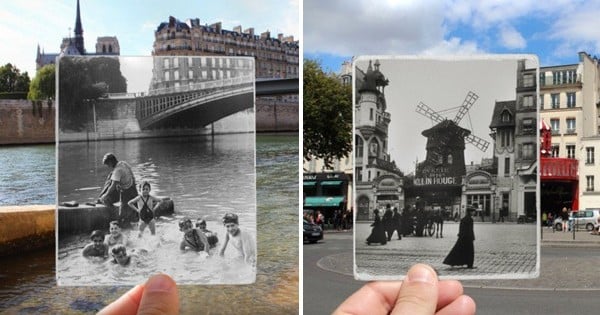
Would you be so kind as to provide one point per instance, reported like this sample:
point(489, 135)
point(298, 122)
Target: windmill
point(446, 140)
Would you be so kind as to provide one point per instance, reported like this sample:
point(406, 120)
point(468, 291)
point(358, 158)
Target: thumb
point(160, 296)
point(419, 292)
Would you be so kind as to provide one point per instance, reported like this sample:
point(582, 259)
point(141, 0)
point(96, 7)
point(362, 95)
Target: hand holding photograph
point(156, 170)
point(446, 154)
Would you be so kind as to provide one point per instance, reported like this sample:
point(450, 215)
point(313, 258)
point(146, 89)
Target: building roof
point(499, 108)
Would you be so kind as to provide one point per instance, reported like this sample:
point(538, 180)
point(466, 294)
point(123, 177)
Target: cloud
point(454, 46)
point(511, 38)
point(581, 30)
point(372, 27)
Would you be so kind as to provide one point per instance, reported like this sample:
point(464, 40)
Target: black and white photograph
point(156, 169)
point(445, 160)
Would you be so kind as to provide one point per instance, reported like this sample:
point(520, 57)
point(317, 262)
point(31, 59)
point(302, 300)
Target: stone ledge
point(26, 228)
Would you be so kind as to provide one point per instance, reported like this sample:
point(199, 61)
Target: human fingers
point(160, 296)
point(463, 305)
point(448, 291)
point(419, 292)
point(127, 304)
point(373, 298)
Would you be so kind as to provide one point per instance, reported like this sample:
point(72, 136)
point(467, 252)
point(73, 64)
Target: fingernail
point(421, 273)
point(159, 283)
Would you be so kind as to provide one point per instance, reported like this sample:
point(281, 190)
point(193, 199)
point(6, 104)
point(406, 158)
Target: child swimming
point(192, 238)
point(97, 248)
point(120, 256)
point(240, 240)
point(211, 236)
point(146, 205)
point(115, 236)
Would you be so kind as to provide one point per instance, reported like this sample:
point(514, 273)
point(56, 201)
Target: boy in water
point(145, 205)
point(192, 238)
point(241, 241)
point(120, 256)
point(114, 236)
point(97, 248)
point(210, 236)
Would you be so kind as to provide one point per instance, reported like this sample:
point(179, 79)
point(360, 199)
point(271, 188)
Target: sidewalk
point(565, 239)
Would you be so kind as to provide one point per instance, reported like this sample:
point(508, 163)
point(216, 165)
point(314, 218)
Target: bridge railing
point(204, 85)
point(149, 106)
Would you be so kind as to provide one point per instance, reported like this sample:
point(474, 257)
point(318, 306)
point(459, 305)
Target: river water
point(28, 282)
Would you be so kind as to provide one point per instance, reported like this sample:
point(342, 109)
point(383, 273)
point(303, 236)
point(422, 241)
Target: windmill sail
point(477, 142)
point(466, 105)
point(429, 113)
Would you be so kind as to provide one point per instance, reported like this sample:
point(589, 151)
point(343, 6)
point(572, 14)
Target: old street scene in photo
point(156, 170)
point(446, 166)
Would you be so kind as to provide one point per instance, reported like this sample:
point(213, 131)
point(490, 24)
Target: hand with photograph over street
point(419, 294)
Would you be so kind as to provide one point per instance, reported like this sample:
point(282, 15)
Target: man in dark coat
point(397, 224)
point(388, 222)
point(463, 252)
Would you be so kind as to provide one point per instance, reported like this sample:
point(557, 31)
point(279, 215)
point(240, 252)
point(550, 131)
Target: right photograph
point(445, 166)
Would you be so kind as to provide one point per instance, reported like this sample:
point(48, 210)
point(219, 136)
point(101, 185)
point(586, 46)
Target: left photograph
point(149, 151)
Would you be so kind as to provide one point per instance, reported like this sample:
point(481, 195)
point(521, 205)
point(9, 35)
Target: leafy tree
point(43, 86)
point(12, 80)
point(83, 80)
point(327, 115)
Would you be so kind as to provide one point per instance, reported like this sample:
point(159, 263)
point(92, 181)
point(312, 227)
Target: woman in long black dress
point(463, 251)
point(378, 231)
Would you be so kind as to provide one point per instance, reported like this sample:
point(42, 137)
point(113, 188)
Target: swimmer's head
point(230, 218)
point(114, 227)
point(185, 224)
point(97, 235)
point(109, 159)
point(145, 187)
point(200, 223)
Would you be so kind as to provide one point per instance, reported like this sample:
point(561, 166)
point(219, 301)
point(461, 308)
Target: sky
point(555, 30)
point(25, 24)
point(442, 84)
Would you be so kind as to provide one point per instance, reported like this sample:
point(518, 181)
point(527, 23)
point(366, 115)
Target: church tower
point(79, 32)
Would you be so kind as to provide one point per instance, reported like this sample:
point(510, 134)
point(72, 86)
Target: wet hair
point(113, 223)
point(119, 248)
point(144, 184)
point(109, 159)
point(200, 222)
point(183, 222)
point(230, 218)
point(97, 233)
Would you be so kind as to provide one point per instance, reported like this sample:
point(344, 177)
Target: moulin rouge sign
point(436, 176)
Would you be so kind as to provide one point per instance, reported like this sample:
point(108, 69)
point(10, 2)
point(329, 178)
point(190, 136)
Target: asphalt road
point(325, 290)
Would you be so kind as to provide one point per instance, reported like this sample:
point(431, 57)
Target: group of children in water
point(196, 239)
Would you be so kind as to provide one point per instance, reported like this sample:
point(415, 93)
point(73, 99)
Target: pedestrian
point(378, 231)
point(550, 219)
point(564, 214)
point(388, 222)
point(121, 180)
point(397, 224)
point(463, 252)
point(544, 218)
point(439, 222)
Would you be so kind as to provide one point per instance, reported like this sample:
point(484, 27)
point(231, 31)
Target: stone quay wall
point(26, 122)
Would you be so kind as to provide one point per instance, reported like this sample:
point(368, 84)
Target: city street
point(568, 282)
point(500, 249)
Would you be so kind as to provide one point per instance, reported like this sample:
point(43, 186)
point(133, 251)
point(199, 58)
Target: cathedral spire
point(79, 32)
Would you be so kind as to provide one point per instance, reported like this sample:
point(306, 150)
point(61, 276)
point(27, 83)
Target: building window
point(528, 80)
point(371, 114)
point(359, 146)
point(507, 166)
point(527, 101)
point(555, 100)
point(528, 125)
point(167, 78)
point(528, 151)
point(541, 101)
point(505, 138)
point(590, 182)
point(589, 155)
point(555, 124)
point(571, 151)
point(570, 125)
point(190, 74)
point(166, 63)
point(505, 116)
point(571, 76)
point(358, 173)
point(175, 62)
point(542, 78)
point(571, 100)
point(556, 77)
point(555, 150)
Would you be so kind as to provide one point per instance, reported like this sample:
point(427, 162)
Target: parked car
point(581, 219)
point(312, 232)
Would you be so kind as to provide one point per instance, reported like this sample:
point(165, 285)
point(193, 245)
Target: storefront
point(325, 192)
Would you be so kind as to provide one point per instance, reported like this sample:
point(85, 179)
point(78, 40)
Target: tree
point(43, 86)
point(13, 81)
point(327, 115)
